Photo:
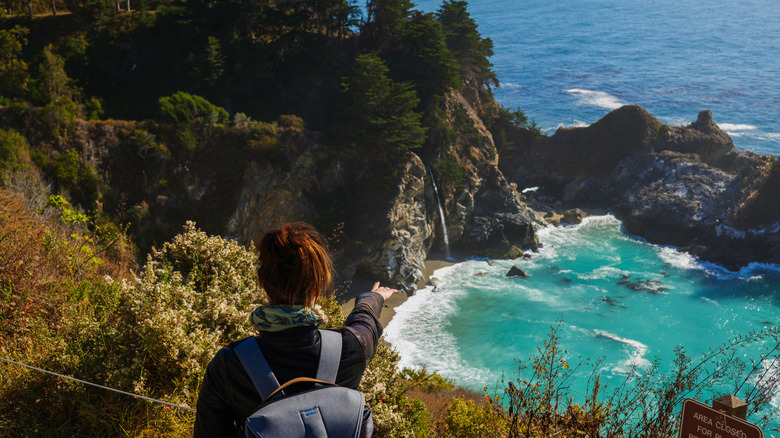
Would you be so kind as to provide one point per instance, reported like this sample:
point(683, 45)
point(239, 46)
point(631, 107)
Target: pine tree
point(470, 49)
point(422, 57)
point(385, 21)
point(378, 111)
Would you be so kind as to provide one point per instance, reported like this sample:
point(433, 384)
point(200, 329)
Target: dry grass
point(438, 401)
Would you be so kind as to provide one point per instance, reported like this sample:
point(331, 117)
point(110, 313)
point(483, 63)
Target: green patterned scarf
point(276, 318)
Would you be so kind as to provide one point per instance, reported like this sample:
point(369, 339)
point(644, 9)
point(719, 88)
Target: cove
point(618, 297)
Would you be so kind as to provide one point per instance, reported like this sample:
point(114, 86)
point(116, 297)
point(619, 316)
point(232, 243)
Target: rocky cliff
point(389, 225)
point(380, 214)
point(684, 186)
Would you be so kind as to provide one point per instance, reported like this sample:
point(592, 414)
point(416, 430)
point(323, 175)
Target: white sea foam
point(734, 127)
point(752, 272)
point(595, 98)
point(602, 273)
point(410, 329)
point(768, 136)
point(710, 300)
point(675, 121)
point(510, 86)
point(673, 256)
point(770, 370)
point(566, 242)
point(574, 124)
point(418, 331)
point(598, 221)
point(635, 349)
point(678, 259)
point(606, 220)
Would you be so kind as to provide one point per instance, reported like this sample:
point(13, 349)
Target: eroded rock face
point(399, 255)
point(500, 225)
point(486, 217)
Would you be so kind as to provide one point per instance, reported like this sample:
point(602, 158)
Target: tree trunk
point(29, 7)
point(128, 5)
point(116, 2)
point(53, 9)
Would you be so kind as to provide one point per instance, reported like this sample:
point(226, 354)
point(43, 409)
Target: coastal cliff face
point(382, 217)
point(683, 186)
point(485, 214)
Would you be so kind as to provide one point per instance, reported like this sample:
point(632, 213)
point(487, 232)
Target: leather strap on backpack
point(293, 382)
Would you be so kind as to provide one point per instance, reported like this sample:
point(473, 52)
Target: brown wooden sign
point(701, 421)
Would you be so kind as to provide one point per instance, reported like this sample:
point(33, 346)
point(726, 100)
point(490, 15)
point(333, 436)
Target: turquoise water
point(618, 297)
point(567, 63)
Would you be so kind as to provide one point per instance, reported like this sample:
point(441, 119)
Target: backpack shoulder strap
point(330, 355)
point(257, 367)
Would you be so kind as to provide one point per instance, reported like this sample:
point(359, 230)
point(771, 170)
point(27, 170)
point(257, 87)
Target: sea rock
point(514, 271)
point(685, 186)
point(573, 216)
point(499, 224)
point(702, 137)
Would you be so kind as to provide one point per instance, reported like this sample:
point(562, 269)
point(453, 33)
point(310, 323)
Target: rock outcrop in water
point(683, 186)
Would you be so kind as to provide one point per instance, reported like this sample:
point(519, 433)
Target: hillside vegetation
point(113, 114)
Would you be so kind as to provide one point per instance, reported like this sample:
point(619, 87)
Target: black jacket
point(228, 396)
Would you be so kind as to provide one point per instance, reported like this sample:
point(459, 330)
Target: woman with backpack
point(295, 270)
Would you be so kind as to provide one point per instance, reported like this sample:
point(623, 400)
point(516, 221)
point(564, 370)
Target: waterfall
point(441, 215)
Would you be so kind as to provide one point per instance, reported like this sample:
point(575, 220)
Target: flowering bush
point(193, 296)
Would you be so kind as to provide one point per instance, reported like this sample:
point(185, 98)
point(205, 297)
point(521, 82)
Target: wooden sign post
point(701, 421)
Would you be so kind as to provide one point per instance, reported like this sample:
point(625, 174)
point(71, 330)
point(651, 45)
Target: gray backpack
point(327, 410)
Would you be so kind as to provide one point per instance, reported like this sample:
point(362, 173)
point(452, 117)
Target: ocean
point(568, 63)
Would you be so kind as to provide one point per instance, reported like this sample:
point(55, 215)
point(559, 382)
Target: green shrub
point(13, 70)
point(67, 213)
point(93, 108)
point(71, 174)
point(466, 418)
point(418, 417)
point(425, 380)
point(241, 120)
point(57, 117)
point(452, 172)
point(291, 122)
point(385, 392)
point(152, 335)
point(182, 108)
point(187, 139)
point(147, 143)
point(12, 147)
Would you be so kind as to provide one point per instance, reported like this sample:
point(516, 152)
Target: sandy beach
point(360, 285)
